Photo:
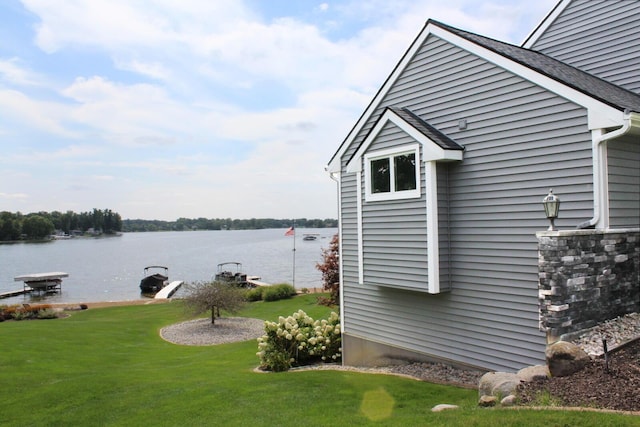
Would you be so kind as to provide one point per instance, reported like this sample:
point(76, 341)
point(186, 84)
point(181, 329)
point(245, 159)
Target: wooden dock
point(255, 281)
point(15, 293)
point(168, 290)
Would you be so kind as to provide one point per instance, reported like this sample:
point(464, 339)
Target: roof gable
point(545, 23)
point(605, 107)
point(590, 85)
point(436, 145)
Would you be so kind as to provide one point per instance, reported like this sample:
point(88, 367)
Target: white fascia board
point(431, 150)
point(600, 115)
point(546, 22)
point(334, 165)
point(355, 165)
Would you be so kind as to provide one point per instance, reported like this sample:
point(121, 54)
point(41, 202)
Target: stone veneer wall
point(587, 277)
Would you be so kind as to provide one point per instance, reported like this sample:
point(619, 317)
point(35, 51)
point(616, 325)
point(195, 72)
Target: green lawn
point(110, 367)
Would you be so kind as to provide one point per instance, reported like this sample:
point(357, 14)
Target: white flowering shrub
point(299, 340)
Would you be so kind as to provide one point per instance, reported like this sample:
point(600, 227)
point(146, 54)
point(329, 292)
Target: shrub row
point(271, 293)
point(299, 340)
point(27, 311)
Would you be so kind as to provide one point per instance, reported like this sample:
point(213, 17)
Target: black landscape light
point(551, 205)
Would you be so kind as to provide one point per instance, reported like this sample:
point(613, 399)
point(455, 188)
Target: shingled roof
point(426, 129)
point(608, 93)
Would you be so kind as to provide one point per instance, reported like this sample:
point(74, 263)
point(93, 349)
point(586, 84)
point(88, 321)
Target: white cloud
point(13, 196)
point(205, 103)
point(47, 116)
point(14, 72)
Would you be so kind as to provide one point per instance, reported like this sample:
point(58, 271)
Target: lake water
point(110, 268)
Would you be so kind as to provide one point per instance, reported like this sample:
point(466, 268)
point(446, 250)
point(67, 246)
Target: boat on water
point(231, 272)
point(309, 237)
point(155, 278)
point(61, 236)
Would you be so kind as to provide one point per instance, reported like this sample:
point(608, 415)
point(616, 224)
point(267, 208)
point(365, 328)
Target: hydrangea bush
point(299, 340)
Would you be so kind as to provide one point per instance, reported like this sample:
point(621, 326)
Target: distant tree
point(330, 269)
point(10, 226)
point(37, 227)
point(112, 221)
point(213, 296)
point(97, 217)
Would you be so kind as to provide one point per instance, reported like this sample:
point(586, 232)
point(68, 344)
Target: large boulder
point(498, 384)
point(533, 373)
point(565, 358)
point(443, 407)
point(487, 401)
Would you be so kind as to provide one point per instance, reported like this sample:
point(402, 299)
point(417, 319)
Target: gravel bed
point(202, 332)
point(616, 331)
point(437, 373)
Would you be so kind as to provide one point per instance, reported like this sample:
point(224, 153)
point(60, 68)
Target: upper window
point(392, 174)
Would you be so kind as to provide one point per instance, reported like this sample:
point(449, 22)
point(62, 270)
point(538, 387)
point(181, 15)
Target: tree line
point(40, 225)
point(185, 224)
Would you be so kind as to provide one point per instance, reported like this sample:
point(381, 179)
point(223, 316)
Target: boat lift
point(41, 282)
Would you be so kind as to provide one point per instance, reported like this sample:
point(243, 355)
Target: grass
point(109, 366)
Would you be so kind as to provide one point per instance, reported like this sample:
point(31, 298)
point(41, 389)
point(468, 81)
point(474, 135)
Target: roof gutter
point(631, 121)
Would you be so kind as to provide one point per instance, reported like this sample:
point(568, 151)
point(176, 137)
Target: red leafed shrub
point(330, 269)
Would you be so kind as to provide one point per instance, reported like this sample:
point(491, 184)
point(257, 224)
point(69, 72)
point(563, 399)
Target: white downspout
point(334, 176)
point(600, 178)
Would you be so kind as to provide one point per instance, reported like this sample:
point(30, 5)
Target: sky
point(201, 108)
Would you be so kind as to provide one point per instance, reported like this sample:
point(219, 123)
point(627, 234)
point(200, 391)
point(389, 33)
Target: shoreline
point(100, 304)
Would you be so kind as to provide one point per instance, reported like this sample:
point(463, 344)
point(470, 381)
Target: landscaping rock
point(565, 358)
point(487, 401)
point(498, 384)
point(510, 400)
point(533, 373)
point(443, 407)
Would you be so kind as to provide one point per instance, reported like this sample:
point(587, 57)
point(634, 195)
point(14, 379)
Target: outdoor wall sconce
point(551, 205)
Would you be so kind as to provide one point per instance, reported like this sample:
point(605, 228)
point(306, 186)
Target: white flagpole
point(294, 253)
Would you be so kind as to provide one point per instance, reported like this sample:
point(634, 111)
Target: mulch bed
point(595, 387)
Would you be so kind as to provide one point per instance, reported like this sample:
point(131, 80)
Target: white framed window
point(392, 174)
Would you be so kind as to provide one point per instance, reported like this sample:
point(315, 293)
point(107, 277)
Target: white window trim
point(390, 153)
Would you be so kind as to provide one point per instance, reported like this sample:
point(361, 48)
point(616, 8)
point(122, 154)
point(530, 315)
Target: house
point(441, 181)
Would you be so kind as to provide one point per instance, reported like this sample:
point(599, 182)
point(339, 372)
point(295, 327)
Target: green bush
point(23, 315)
point(278, 292)
point(299, 340)
point(47, 313)
point(254, 294)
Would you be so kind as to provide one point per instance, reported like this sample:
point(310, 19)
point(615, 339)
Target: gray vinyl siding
point(349, 230)
point(600, 37)
point(443, 226)
point(394, 233)
point(624, 182)
point(520, 141)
